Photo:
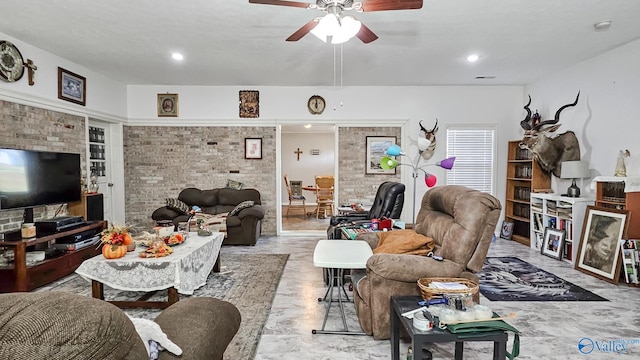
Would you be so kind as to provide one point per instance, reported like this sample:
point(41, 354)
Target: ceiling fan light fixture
point(326, 27)
point(349, 27)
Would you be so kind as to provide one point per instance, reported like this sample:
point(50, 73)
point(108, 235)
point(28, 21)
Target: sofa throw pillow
point(239, 207)
point(232, 184)
point(177, 205)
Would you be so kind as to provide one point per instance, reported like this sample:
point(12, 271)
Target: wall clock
point(316, 104)
point(11, 62)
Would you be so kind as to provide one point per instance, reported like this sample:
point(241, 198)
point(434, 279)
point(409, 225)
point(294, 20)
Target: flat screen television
point(32, 178)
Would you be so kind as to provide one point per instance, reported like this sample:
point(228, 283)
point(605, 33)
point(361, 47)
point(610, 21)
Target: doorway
point(305, 152)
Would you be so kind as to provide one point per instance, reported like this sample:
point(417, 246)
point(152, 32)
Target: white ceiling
point(232, 42)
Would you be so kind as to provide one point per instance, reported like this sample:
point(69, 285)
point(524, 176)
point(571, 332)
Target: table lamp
point(574, 170)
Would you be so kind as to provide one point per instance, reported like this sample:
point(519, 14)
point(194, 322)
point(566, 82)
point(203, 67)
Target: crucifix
point(298, 152)
point(31, 71)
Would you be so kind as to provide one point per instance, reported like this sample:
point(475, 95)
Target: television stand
point(19, 276)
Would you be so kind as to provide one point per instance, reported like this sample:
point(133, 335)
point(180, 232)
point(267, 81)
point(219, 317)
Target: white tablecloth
point(186, 269)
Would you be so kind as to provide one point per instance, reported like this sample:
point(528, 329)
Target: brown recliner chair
point(460, 220)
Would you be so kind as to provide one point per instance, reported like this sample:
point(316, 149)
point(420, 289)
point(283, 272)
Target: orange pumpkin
point(114, 251)
point(128, 240)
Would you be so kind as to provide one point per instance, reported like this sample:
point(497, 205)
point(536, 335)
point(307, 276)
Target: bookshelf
point(558, 212)
point(524, 177)
point(614, 192)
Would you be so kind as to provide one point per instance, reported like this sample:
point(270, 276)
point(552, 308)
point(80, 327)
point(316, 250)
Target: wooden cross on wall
point(298, 152)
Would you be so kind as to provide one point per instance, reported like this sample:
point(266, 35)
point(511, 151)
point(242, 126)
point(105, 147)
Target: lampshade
point(394, 150)
point(340, 29)
point(388, 163)
point(430, 180)
point(574, 170)
point(423, 143)
point(447, 163)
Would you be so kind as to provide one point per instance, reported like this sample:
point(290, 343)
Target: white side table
point(335, 256)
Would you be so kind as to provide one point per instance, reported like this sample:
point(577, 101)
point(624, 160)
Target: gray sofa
point(242, 229)
point(461, 222)
point(61, 326)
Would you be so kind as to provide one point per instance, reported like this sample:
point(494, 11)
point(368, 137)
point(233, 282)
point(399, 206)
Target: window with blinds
point(474, 149)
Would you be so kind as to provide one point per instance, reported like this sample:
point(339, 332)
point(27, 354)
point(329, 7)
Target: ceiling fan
point(341, 28)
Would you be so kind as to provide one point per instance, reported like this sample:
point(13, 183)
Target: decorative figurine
point(621, 168)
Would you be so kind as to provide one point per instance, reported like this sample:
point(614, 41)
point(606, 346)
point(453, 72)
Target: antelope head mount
point(431, 136)
point(550, 152)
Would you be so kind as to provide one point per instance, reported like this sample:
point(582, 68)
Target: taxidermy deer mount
point(431, 136)
point(550, 152)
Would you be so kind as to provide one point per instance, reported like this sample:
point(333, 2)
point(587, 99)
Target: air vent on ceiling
point(486, 77)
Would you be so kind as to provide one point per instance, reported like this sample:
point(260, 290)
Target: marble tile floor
point(549, 330)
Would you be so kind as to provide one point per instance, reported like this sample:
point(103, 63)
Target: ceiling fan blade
point(366, 35)
point(281, 3)
point(304, 30)
point(380, 5)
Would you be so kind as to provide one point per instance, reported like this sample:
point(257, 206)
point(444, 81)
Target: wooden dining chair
point(294, 188)
point(324, 196)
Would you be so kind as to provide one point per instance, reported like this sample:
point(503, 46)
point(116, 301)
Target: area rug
point(249, 281)
point(512, 279)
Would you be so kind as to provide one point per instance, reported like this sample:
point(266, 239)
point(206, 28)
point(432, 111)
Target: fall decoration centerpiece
point(115, 240)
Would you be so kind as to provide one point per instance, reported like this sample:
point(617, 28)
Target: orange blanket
point(404, 242)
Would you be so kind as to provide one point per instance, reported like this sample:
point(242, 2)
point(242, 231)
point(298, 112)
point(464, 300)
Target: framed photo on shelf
point(72, 87)
point(168, 105)
point(553, 243)
point(506, 230)
point(599, 249)
point(375, 151)
point(253, 148)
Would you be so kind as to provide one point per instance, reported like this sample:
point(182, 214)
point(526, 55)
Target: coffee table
point(402, 304)
point(184, 271)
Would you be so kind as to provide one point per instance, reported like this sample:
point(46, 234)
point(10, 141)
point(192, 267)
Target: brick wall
point(162, 160)
point(32, 128)
point(356, 186)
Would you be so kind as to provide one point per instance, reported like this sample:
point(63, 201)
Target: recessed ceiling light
point(473, 58)
point(602, 25)
point(308, 126)
point(177, 56)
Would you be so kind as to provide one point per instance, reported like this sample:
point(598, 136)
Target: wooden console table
point(23, 277)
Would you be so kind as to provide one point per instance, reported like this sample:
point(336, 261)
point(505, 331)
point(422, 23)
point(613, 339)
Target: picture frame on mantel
point(72, 87)
point(376, 146)
point(599, 251)
point(167, 105)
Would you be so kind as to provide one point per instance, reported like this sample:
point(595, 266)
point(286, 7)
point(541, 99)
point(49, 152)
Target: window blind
point(474, 150)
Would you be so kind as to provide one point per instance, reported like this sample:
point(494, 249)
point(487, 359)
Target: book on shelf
point(568, 248)
point(538, 222)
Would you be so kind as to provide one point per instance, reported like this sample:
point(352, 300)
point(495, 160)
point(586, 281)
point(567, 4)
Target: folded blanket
point(404, 242)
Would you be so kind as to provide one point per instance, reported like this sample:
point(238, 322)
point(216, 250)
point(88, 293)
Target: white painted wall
point(606, 117)
point(105, 98)
point(309, 165)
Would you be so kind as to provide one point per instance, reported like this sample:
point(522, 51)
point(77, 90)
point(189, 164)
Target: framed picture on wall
point(249, 103)
point(167, 105)
point(375, 151)
point(599, 249)
point(253, 148)
point(72, 87)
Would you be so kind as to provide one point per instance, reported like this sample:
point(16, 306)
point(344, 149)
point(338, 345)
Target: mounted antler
point(431, 136)
point(557, 116)
point(549, 152)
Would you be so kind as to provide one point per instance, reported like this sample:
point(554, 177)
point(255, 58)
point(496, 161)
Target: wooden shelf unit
point(23, 277)
point(610, 193)
point(558, 212)
point(524, 176)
